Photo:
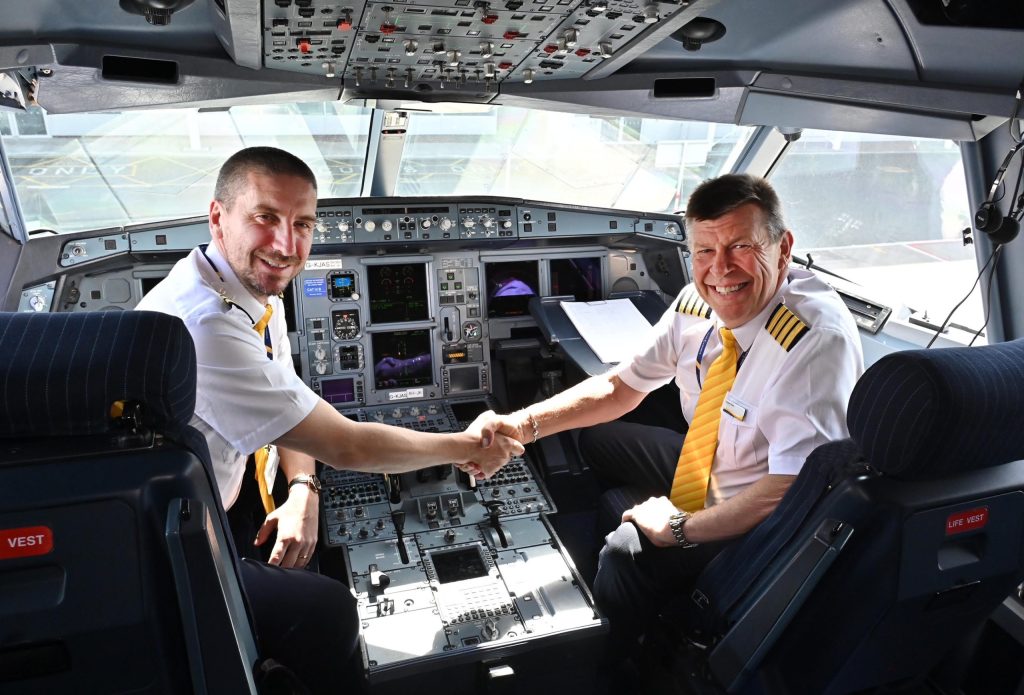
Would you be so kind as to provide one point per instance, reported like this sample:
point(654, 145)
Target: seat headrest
point(60, 373)
point(927, 413)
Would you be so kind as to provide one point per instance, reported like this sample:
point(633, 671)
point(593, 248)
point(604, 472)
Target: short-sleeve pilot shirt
point(801, 358)
point(243, 400)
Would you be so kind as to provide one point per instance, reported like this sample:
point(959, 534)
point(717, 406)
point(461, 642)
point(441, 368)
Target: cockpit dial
point(345, 323)
point(471, 330)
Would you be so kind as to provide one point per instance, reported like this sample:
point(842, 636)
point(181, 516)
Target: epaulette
point(786, 327)
point(691, 303)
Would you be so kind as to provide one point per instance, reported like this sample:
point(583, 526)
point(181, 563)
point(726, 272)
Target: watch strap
point(676, 522)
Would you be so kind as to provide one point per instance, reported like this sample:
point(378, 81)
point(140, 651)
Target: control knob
point(343, 226)
point(425, 223)
point(469, 223)
point(487, 221)
point(386, 225)
point(369, 225)
point(489, 630)
point(506, 224)
point(445, 224)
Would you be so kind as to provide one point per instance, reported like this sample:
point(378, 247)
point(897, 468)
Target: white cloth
point(790, 402)
point(243, 400)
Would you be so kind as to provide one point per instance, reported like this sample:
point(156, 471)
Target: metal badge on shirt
point(734, 407)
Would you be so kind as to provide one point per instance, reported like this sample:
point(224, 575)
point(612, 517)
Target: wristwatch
point(310, 481)
point(676, 523)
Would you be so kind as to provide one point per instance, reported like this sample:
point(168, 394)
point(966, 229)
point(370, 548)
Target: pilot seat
point(116, 573)
point(889, 549)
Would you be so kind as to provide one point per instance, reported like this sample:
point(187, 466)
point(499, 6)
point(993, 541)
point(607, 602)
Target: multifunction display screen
point(510, 285)
point(579, 278)
point(402, 359)
point(398, 292)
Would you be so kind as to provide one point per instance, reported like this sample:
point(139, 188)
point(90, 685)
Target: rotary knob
point(369, 225)
point(386, 225)
point(445, 224)
point(343, 226)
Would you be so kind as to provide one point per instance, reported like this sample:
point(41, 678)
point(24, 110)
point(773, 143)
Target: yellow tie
point(262, 454)
point(690, 482)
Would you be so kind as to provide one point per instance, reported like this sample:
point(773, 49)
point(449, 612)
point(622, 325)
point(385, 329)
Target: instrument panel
point(445, 566)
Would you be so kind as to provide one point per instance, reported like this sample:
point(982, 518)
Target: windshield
point(77, 172)
point(629, 163)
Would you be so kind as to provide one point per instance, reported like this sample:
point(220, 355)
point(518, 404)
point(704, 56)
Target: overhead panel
point(434, 48)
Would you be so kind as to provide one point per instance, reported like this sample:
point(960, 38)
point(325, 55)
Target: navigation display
point(402, 359)
point(510, 284)
point(578, 277)
point(398, 292)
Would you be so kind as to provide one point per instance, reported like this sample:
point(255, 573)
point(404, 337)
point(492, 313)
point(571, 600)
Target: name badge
point(734, 408)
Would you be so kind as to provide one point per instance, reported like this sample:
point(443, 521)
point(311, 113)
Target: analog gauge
point(345, 323)
point(472, 330)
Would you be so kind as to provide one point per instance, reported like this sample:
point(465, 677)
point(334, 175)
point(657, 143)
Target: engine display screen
point(398, 292)
point(457, 565)
point(402, 359)
point(576, 277)
point(510, 284)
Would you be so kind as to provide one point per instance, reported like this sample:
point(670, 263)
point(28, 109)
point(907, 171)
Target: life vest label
point(25, 542)
point(971, 520)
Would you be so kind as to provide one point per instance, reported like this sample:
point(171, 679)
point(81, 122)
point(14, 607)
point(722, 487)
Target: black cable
point(953, 310)
point(988, 293)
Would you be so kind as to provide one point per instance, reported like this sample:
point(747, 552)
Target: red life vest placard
point(971, 520)
point(25, 542)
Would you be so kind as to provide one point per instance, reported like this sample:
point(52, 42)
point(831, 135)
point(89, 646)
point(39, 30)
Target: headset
point(988, 218)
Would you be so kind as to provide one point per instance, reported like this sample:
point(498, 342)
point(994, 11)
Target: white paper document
point(614, 329)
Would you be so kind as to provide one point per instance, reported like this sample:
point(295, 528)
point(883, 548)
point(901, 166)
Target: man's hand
point(296, 525)
point(494, 445)
point(512, 425)
point(651, 517)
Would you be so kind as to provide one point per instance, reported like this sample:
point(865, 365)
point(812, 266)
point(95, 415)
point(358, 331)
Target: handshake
point(497, 439)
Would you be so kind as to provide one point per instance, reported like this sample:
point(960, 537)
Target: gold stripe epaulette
point(691, 303)
point(786, 327)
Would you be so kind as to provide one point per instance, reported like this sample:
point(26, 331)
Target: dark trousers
point(636, 580)
point(303, 620)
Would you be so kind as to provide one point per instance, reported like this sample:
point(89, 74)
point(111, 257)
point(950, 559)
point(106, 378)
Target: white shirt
point(243, 400)
point(784, 403)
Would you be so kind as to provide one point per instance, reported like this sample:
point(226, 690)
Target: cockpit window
point(76, 172)
point(629, 163)
point(887, 213)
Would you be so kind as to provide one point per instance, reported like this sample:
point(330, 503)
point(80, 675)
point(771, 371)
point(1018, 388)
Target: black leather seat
point(890, 546)
point(116, 574)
